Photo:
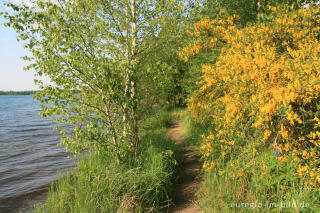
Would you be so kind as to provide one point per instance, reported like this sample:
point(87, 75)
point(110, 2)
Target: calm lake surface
point(29, 156)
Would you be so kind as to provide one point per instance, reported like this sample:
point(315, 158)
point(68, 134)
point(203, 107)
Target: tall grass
point(192, 130)
point(98, 184)
point(250, 181)
point(255, 188)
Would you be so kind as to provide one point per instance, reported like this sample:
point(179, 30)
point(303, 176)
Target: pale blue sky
point(12, 76)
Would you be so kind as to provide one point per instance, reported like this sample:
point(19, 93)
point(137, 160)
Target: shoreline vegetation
point(99, 184)
point(243, 76)
point(28, 92)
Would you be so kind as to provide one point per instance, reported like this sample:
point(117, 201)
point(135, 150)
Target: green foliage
point(157, 121)
point(248, 10)
point(263, 185)
point(193, 130)
point(162, 82)
point(98, 184)
point(93, 52)
point(162, 72)
point(251, 172)
point(32, 92)
point(250, 181)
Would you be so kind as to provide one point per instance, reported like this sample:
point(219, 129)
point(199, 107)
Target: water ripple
point(29, 156)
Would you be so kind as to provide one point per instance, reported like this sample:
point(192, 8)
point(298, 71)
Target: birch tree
point(90, 50)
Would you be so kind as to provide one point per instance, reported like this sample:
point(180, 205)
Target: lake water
point(29, 156)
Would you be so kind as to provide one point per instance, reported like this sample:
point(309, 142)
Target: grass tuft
point(98, 184)
point(250, 180)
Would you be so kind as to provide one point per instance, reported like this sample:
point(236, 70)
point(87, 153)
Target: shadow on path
point(185, 190)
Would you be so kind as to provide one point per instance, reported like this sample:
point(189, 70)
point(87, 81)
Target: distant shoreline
point(30, 92)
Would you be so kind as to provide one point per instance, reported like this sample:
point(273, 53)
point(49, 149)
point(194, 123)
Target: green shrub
point(99, 184)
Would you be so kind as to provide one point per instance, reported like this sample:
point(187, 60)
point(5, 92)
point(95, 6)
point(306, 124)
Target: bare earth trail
point(185, 190)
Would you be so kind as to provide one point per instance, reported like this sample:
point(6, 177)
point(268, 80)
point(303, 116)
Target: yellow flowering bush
point(263, 86)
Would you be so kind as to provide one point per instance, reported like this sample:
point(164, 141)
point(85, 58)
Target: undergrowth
point(259, 96)
point(98, 184)
point(250, 181)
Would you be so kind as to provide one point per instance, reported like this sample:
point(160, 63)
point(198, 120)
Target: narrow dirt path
point(185, 190)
